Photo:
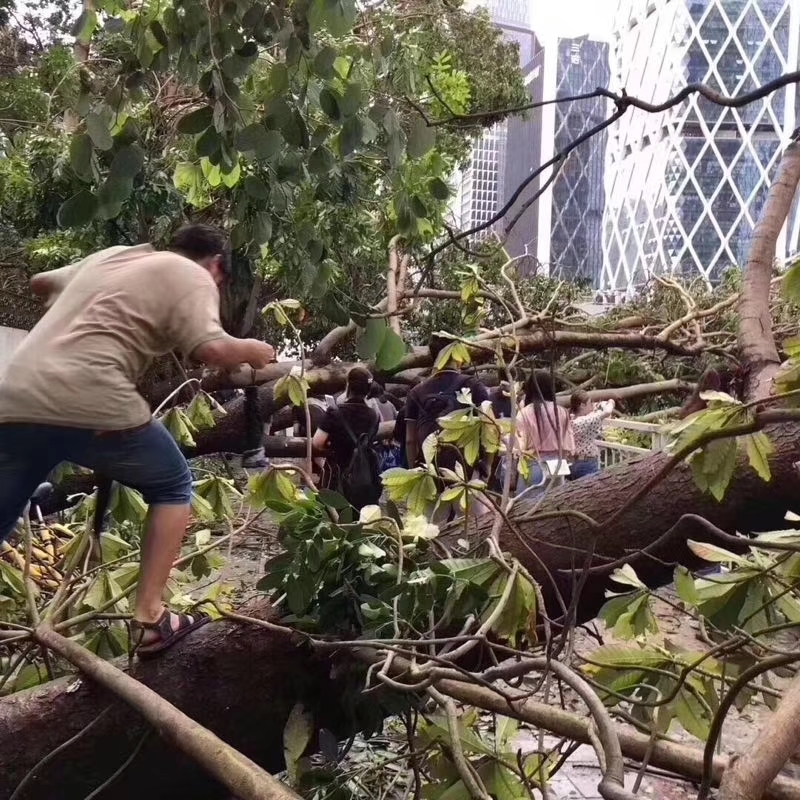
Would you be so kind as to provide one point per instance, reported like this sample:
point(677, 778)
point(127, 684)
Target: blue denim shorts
point(146, 459)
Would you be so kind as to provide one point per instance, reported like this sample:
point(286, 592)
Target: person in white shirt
point(587, 425)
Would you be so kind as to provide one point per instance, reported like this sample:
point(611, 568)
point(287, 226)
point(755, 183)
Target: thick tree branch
point(757, 346)
point(243, 777)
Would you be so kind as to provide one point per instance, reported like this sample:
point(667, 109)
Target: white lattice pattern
point(685, 187)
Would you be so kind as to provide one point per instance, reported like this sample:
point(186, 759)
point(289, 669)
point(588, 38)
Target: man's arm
point(48, 285)
point(227, 352)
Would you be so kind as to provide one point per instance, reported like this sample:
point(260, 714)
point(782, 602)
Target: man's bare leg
point(164, 531)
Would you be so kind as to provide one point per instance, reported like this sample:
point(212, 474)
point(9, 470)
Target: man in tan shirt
point(69, 392)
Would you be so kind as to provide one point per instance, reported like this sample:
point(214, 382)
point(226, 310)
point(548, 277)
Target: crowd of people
point(557, 443)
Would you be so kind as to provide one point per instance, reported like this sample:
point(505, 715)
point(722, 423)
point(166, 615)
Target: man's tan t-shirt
point(114, 312)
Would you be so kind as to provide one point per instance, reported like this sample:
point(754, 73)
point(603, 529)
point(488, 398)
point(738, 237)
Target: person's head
point(206, 245)
point(435, 346)
point(580, 403)
point(539, 387)
point(377, 390)
point(359, 380)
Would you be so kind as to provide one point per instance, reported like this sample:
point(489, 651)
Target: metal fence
point(613, 453)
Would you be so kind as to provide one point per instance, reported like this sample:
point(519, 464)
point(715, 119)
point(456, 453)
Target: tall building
point(685, 186)
point(576, 235)
point(480, 187)
point(562, 229)
point(523, 155)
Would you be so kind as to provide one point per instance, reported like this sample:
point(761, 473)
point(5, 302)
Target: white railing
point(613, 453)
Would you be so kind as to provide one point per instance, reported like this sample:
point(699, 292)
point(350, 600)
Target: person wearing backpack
point(432, 399)
point(348, 433)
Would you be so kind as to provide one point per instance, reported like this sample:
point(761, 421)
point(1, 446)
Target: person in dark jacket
point(342, 423)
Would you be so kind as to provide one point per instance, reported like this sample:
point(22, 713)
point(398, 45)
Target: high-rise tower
point(480, 190)
point(685, 186)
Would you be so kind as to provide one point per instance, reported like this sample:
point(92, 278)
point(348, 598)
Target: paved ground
point(579, 778)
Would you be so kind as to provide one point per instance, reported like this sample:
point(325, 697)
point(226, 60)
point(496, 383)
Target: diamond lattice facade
point(684, 187)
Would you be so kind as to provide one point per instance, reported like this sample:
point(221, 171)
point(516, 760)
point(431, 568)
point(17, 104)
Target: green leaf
point(262, 228)
point(329, 103)
point(371, 341)
point(208, 144)
point(265, 144)
point(295, 130)
point(97, 129)
point(791, 282)
point(279, 78)
point(713, 553)
point(351, 100)
point(439, 189)
point(627, 575)
point(201, 412)
point(231, 178)
point(684, 585)
point(219, 493)
point(79, 210)
point(12, 578)
point(296, 737)
point(197, 121)
point(351, 135)
point(692, 715)
point(421, 139)
point(321, 161)
point(323, 62)
point(337, 16)
point(519, 613)
point(759, 449)
point(256, 188)
point(112, 194)
point(128, 162)
point(80, 156)
point(334, 310)
point(127, 505)
point(180, 426)
point(278, 113)
point(391, 351)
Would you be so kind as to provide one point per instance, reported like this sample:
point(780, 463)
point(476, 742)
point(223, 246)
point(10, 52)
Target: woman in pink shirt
point(544, 430)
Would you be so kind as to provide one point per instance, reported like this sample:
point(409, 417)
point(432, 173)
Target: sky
point(573, 17)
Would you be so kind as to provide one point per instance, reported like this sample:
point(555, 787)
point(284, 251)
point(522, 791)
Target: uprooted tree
point(323, 135)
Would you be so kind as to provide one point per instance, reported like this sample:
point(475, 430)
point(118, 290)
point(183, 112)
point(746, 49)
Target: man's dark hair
point(436, 344)
point(359, 380)
point(202, 241)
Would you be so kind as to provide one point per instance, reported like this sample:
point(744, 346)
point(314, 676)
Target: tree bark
point(757, 348)
point(239, 682)
point(554, 549)
point(750, 774)
point(211, 677)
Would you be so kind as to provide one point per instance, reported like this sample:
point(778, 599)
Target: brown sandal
point(168, 635)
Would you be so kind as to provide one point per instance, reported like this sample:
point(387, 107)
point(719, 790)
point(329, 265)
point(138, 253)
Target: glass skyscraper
point(576, 237)
point(685, 186)
point(562, 230)
point(480, 188)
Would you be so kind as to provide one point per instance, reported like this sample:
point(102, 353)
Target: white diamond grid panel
point(685, 187)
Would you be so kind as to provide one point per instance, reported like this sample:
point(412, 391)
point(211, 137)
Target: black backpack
point(441, 404)
point(360, 480)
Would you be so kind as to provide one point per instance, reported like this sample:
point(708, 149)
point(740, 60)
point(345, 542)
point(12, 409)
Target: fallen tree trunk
point(212, 678)
point(554, 548)
point(239, 682)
